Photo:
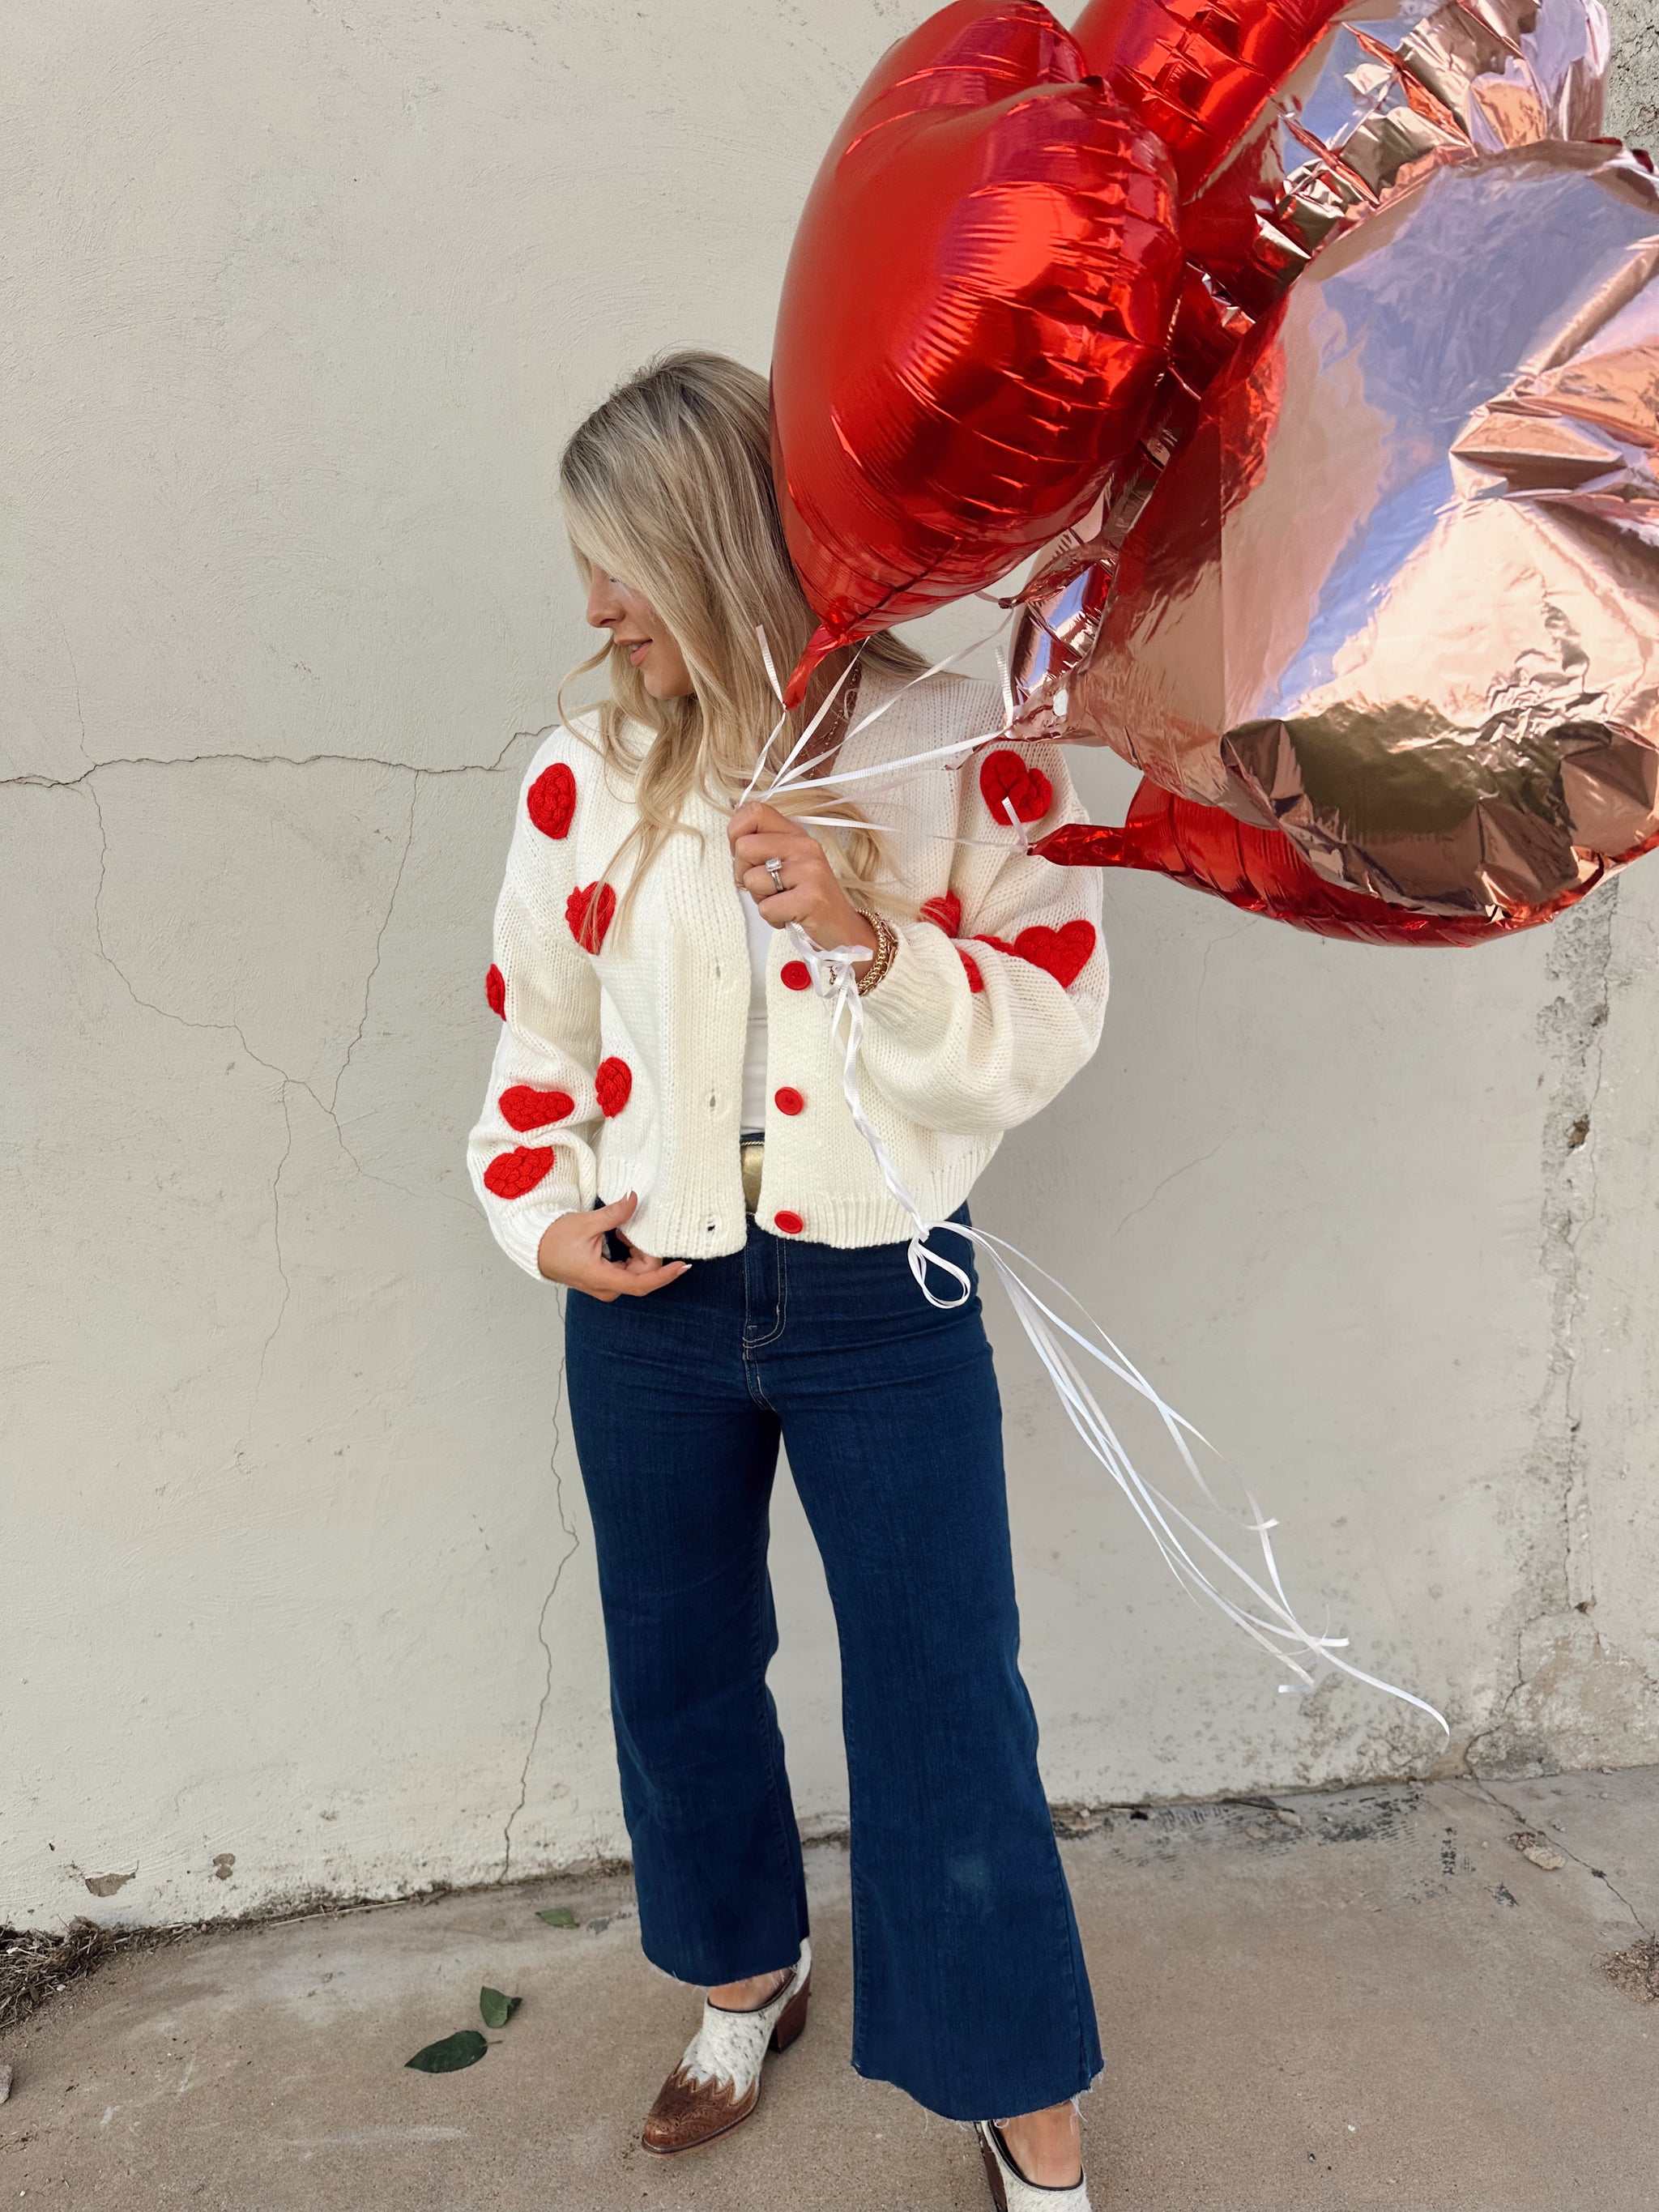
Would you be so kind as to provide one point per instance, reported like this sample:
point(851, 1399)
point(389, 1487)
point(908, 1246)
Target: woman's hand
point(572, 1252)
point(811, 893)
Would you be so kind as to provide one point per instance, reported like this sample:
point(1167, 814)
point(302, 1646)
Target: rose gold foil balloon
point(1381, 100)
point(1376, 105)
point(973, 318)
point(1199, 72)
point(1397, 596)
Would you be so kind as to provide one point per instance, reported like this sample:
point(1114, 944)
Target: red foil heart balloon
point(975, 314)
point(1208, 849)
point(1199, 72)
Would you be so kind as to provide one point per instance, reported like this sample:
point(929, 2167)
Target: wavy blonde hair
point(669, 486)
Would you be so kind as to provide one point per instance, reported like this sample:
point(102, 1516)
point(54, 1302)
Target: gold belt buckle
point(753, 1154)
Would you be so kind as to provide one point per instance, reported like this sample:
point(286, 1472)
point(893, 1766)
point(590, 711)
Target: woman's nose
point(604, 606)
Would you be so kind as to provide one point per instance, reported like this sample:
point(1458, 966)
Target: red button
point(788, 1102)
point(795, 975)
point(790, 1223)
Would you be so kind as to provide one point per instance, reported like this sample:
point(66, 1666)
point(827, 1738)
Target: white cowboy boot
point(717, 2084)
point(1011, 2191)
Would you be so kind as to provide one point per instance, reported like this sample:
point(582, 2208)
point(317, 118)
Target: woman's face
point(638, 630)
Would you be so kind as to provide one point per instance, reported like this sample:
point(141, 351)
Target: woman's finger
point(612, 1278)
point(640, 1284)
point(767, 845)
point(753, 816)
point(758, 883)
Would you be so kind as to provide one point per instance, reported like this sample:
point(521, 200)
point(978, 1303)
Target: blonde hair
point(669, 486)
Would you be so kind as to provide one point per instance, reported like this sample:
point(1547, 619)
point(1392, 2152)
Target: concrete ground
point(1377, 2003)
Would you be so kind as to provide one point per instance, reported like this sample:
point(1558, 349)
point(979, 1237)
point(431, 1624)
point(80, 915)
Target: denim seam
point(1061, 1890)
point(767, 1727)
point(855, 1891)
point(760, 1343)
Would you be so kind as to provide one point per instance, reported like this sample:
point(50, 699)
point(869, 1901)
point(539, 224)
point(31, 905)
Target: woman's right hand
point(572, 1252)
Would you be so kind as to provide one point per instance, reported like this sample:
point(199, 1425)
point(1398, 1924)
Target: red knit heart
point(946, 911)
point(589, 933)
point(1063, 953)
point(509, 1174)
point(496, 992)
point(613, 1084)
point(1004, 776)
point(551, 800)
point(975, 980)
point(525, 1109)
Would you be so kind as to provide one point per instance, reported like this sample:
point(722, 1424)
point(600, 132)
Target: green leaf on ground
point(466, 2048)
point(497, 2010)
point(558, 1915)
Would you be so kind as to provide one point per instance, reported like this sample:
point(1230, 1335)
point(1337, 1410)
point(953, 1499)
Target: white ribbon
point(1262, 1608)
point(1255, 1601)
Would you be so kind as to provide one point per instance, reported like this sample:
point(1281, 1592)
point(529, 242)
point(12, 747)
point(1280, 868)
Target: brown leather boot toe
point(716, 2085)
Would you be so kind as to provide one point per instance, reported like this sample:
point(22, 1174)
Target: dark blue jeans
point(970, 1989)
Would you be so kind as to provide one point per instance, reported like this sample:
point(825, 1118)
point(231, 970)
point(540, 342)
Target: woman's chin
point(662, 688)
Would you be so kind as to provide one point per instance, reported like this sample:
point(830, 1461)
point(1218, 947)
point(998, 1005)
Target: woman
point(667, 1136)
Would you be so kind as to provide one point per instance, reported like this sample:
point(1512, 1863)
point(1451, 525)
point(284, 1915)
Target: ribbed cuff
point(519, 1229)
point(913, 1001)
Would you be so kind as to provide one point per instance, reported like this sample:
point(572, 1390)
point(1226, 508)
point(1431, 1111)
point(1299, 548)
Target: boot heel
point(792, 2019)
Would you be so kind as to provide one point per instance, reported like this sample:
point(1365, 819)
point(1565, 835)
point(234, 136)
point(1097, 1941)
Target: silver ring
point(774, 869)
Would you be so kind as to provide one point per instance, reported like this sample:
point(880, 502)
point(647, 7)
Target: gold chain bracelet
point(886, 946)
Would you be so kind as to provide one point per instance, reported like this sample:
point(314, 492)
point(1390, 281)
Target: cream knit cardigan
point(623, 1070)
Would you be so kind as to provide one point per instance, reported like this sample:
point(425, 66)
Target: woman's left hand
point(811, 893)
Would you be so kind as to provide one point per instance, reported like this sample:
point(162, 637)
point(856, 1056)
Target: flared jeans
point(970, 1991)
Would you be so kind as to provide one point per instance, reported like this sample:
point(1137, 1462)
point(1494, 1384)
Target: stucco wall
point(297, 1586)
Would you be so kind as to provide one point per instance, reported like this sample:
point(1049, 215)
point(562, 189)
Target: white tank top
point(760, 933)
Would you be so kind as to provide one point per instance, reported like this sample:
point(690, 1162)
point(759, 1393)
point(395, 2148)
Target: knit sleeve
point(531, 1157)
point(997, 995)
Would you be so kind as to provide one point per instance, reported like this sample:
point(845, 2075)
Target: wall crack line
point(1173, 1175)
point(282, 1269)
point(34, 781)
point(374, 968)
point(150, 1006)
point(1571, 1028)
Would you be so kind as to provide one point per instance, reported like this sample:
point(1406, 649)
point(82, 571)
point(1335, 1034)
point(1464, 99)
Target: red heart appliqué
point(946, 911)
point(975, 980)
point(1005, 776)
point(1063, 953)
point(509, 1174)
point(613, 1087)
point(589, 918)
point(523, 1108)
point(496, 992)
point(551, 800)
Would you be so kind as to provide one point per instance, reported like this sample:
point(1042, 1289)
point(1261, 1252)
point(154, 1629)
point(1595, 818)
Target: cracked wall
point(296, 1587)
